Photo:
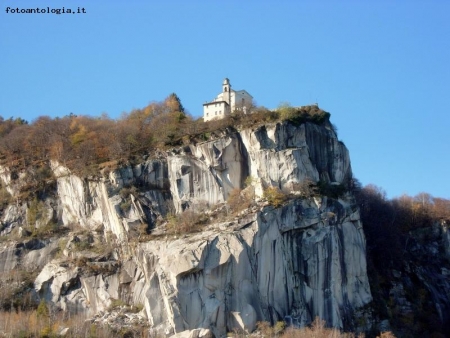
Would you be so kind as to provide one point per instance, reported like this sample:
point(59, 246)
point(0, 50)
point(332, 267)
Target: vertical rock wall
point(293, 263)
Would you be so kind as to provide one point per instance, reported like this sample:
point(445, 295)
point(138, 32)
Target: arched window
point(226, 89)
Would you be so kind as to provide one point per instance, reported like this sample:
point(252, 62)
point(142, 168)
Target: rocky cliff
point(303, 259)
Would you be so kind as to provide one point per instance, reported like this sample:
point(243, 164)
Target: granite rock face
point(278, 155)
point(292, 263)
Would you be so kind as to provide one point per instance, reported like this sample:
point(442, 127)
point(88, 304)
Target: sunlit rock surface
point(304, 259)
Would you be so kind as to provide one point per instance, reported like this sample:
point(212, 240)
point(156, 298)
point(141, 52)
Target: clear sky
point(381, 68)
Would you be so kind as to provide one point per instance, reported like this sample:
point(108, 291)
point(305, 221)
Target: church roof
point(212, 102)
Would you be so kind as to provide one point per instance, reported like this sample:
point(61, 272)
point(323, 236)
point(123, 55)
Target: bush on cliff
point(187, 222)
point(274, 196)
point(299, 115)
point(305, 189)
point(239, 200)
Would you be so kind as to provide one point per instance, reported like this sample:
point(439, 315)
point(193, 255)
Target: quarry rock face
point(292, 263)
point(272, 267)
point(283, 154)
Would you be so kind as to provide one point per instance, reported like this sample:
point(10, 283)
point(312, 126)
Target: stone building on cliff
point(227, 102)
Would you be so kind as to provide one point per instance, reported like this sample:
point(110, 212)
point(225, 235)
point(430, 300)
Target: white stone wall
point(239, 99)
point(216, 110)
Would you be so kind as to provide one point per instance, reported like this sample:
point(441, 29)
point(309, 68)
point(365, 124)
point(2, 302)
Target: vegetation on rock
point(275, 196)
point(401, 234)
point(316, 329)
point(84, 143)
point(396, 230)
point(239, 200)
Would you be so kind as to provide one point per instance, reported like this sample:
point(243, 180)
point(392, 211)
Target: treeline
point(84, 142)
point(395, 229)
point(387, 222)
point(405, 212)
point(81, 141)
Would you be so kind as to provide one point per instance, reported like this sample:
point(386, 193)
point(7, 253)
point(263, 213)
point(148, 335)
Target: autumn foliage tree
point(83, 142)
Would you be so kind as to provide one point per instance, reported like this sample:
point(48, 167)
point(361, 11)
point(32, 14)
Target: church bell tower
point(226, 89)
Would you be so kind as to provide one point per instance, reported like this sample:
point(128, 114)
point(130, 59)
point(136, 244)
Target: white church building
point(227, 102)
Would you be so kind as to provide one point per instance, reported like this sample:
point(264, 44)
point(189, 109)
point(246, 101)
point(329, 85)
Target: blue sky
point(381, 68)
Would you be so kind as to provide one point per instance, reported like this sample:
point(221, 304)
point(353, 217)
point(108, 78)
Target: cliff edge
point(293, 261)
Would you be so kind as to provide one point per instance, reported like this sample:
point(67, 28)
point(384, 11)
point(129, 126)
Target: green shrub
point(34, 212)
point(47, 332)
point(47, 230)
point(125, 193)
point(205, 136)
point(299, 115)
point(116, 303)
point(42, 310)
point(274, 196)
point(128, 190)
point(249, 181)
point(279, 327)
point(82, 245)
point(136, 308)
point(125, 205)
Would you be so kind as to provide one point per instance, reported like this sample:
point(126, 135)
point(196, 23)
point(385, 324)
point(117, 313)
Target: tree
point(378, 218)
point(173, 102)
point(12, 145)
point(441, 209)
point(42, 310)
